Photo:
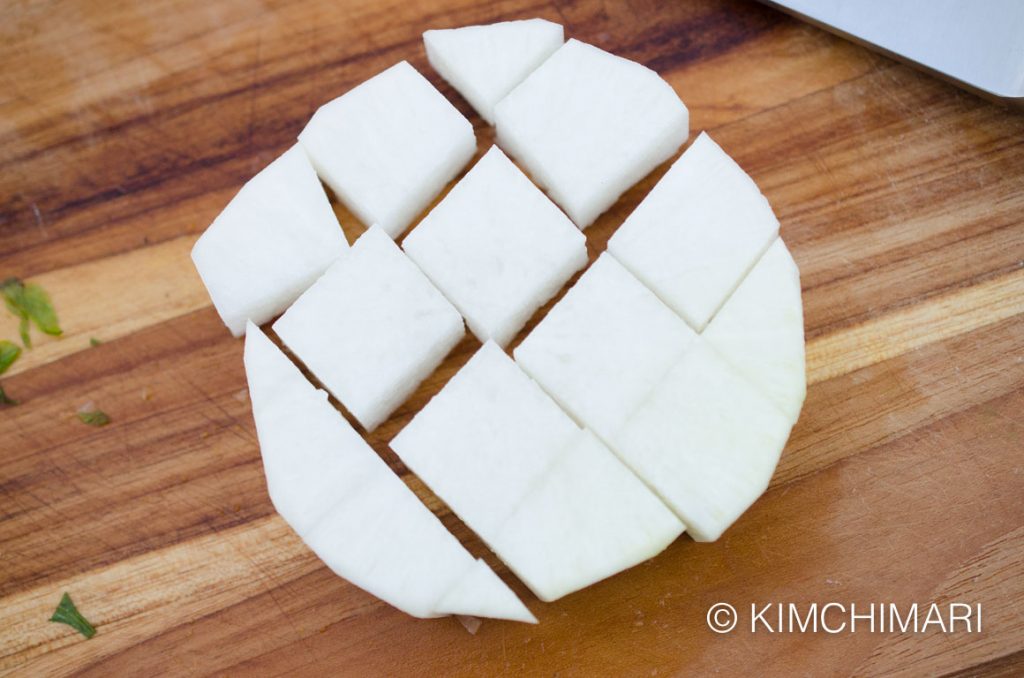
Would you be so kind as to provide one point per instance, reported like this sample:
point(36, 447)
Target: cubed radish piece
point(274, 238)
point(706, 440)
point(387, 147)
point(497, 248)
point(350, 508)
point(371, 328)
point(760, 330)
point(484, 63)
point(550, 499)
point(604, 346)
point(697, 233)
point(587, 125)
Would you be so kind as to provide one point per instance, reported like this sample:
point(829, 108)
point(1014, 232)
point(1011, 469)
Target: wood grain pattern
point(125, 127)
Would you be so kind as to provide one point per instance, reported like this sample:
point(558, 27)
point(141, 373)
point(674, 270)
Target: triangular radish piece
point(484, 63)
point(697, 233)
point(347, 505)
point(469, 595)
point(274, 238)
point(760, 330)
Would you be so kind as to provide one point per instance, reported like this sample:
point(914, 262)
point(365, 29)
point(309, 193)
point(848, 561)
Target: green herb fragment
point(93, 341)
point(30, 302)
point(94, 418)
point(4, 400)
point(67, 613)
point(9, 352)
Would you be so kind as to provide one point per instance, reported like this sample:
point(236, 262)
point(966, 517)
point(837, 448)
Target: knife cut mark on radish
point(550, 499)
point(698, 232)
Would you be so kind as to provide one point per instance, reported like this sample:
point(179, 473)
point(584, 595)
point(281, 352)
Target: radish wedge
point(484, 63)
point(350, 508)
point(760, 330)
point(274, 238)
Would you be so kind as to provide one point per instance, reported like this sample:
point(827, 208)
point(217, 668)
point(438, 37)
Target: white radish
point(587, 125)
point(705, 440)
point(697, 233)
point(351, 509)
point(371, 328)
point(497, 248)
point(484, 63)
point(760, 330)
point(274, 238)
point(604, 346)
point(550, 499)
point(388, 146)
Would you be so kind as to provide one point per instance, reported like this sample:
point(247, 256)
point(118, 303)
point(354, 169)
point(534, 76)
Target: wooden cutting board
point(125, 127)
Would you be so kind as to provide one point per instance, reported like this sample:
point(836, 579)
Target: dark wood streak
point(148, 175)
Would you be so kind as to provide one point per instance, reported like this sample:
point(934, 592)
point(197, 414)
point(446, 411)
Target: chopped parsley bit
point(93, 341)
point(4, 400)
point(9, 352)
point(67, 613)
point(94, 418)
point(30, 302)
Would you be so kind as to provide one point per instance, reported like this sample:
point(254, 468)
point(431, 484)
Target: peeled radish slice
point(371, 328)
point(275, 237)
point(705, 440)
point(587, 125)
point(760, 330)
point(497, 247)
point(350, 508)
point(697, 233)
point(484, 63)
point(550, 499)
point(604, 346)
point(387, 147)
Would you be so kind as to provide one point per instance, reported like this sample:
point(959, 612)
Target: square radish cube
point(697, 233)
point(550, 499)
point(274, 238)
point(387, 147)
point(484, 63)
point(604, 346)
point(705, 440)
point(587, 125)
point(371, 328)
point(351, 509)
point(497, 248)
